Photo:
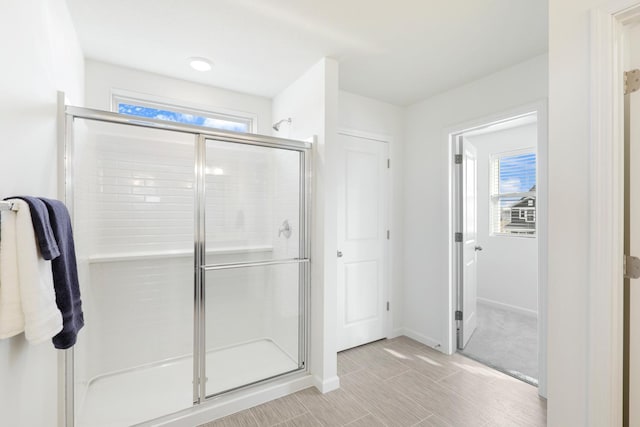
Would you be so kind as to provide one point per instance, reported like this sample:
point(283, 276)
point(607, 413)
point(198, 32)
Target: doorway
point(363, 236)
point(496, 292)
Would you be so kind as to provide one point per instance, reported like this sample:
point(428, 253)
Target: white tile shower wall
point(84, 161)
point(143, 195)
point(238, 198)
point(286, 202)
point(133, 189)
point(135, 198)
point(81, 372)
point(237, 302)
point(284, 310)
point(255, 189)
point(238, 219)
point(143, 313)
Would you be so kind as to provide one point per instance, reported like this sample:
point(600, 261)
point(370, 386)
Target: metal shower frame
point(201, 135)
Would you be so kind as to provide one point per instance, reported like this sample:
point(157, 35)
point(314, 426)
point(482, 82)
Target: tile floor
point(400, 382)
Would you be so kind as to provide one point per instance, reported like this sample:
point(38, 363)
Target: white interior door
point(362, 236)
point(469, 239)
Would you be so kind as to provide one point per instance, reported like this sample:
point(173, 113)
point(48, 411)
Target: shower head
point(276, 126)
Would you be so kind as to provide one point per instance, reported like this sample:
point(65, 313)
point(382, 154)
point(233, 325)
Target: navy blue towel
point(65, 276)
point(41, 226)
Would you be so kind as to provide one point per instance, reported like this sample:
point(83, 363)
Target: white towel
point(11, 317)
point(27, 298)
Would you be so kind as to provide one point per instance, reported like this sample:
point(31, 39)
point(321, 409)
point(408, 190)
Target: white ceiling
point(399, 51)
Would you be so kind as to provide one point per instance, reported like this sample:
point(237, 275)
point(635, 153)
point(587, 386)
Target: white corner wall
point(312, 103)
point(507, 265)
point(370, 117)
point(42, 54)
point(102, 78)
point(569, 186)
point(426, 200)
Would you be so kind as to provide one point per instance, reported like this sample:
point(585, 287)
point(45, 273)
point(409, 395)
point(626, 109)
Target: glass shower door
point(192, 250)
point(254, 264)
point(133, 207)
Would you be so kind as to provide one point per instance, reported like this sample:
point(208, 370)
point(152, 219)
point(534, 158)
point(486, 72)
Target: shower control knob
point(478, 248)
point(339, 254)
point(285, 229)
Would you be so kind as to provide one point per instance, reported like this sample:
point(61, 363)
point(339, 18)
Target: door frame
point(605, 352)
point(451, 136)
point(376, 137)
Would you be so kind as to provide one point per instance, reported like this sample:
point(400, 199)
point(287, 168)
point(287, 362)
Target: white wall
point(426, 200)
point(379, 119)
point(507, 265)
point(570, 124)
point(41, 56)
point(312, 103)
point(101, 78)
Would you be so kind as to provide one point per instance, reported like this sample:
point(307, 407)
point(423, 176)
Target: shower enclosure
point(193, 256)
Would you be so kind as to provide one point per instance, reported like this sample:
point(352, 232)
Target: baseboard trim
point(325, 386)
point(509, 307)
point(397, 332)
point(423, 339)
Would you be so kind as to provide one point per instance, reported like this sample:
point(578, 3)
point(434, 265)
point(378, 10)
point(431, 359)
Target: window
point(513, 194)
point(531, 216)
point(174, 113)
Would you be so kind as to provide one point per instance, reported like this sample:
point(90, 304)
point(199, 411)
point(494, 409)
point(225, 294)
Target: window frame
point(119, 96)
point(495, 196)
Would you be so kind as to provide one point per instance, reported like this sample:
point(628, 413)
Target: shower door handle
point(339, 254)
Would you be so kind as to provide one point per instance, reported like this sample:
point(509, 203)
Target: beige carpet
point(507, 341)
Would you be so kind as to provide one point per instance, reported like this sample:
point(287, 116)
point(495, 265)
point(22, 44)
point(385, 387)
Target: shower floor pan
point(137, 395)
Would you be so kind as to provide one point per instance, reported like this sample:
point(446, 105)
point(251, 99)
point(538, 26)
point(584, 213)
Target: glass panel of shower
point(193, 252)
point(133, 209)
point(254, 247)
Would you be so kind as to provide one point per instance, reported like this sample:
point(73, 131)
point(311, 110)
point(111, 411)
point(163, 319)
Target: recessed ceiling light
point(200, 64)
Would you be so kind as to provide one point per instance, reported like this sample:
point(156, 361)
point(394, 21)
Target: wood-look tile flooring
point(400, 382)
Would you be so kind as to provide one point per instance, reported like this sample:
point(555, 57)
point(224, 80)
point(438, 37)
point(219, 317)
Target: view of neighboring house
point(521, 216)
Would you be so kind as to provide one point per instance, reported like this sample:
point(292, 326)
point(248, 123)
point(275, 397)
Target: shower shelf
point(136, 256)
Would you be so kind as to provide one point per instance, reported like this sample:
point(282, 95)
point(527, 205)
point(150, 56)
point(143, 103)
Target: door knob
point(339, 254)
point(478, 248)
